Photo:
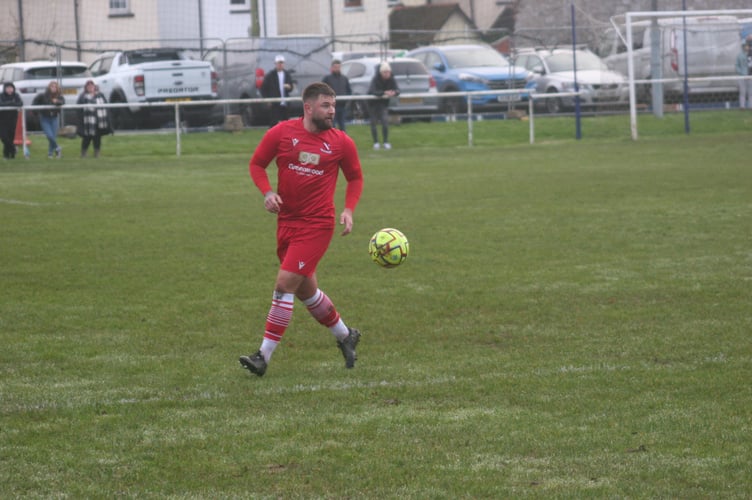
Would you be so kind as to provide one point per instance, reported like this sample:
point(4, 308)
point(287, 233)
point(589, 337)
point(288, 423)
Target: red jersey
point(307, 169)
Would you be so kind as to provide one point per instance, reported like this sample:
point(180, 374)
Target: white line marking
point(19, 202)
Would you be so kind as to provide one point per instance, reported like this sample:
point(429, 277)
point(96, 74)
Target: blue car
point(467, 68)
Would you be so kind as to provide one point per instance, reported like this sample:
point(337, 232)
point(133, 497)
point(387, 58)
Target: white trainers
point(59, 152)
point(376, 146)
point(387, 145)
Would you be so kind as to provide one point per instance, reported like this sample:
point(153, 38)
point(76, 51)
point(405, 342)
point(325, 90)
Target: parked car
point(154, 75)
point(31, 78)
point(712, 43)
point(554, 72)
point(346, 55)
point(467, 68)
point(412, 78)
point(242, 63)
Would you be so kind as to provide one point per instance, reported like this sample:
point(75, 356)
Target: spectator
point(341, 85)
point(384, 87)
point(93, 123)
point(9, 119)
point(277, 83)
point(744, 68)
point(48, 118)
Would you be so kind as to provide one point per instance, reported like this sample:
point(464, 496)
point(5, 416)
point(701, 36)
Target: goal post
point(696, 52)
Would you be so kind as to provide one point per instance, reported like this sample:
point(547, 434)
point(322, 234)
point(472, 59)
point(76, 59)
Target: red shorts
point(301, 248)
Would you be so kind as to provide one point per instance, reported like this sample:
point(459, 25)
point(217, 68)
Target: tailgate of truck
point(183, 80)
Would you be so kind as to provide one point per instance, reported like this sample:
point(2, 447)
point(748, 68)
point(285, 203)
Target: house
point(84, 28)
point(483, 13)
point(411, 27)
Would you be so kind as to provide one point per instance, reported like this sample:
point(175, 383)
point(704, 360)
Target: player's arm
point(262, 157)
point(354, 175)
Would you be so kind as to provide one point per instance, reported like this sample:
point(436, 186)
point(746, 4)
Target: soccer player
point(309, 154)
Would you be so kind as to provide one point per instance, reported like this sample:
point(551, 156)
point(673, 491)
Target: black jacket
point(380, 85)
point(46, 99)
point(7, 100)
point(270, 86)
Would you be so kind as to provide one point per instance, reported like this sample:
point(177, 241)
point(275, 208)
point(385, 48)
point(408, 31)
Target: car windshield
point(469, 58)
point(138, 57)
point(564, 62)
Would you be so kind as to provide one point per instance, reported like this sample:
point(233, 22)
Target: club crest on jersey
point(308, 158)
point(294, 142)
point(326, 149)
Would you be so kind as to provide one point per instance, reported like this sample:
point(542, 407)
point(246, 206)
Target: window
point(119, 7)
point(353, 3)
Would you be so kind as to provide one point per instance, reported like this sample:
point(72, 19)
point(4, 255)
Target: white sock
point(267, 348)
point(340, 330)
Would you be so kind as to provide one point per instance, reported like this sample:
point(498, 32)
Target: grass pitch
point(573, 321)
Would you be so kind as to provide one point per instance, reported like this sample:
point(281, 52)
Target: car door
point(436, 65)
point(99, 70)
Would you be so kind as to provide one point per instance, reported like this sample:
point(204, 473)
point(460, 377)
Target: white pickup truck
point(158, 75)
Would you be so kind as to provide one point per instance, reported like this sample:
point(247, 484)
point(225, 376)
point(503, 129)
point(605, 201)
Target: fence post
point(469, 120)
point(530, 108)
point(177, 129)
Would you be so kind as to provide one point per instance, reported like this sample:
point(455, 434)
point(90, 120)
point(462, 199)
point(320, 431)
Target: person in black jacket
point(341, 85)
point(383, 86)
point(93, 123)
point(9, 119)
point(277, 83)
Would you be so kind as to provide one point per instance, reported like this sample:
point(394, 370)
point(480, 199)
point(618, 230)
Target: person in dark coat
point(384, 87)
point(9, 119)
point(278, 83)
point(93, 123)
point(341, 86)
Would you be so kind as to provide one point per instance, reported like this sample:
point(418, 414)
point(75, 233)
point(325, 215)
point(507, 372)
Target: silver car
point(412, 78)
point(31, 78)
point(554, 72)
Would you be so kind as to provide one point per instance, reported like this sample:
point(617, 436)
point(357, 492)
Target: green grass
point(573, 321)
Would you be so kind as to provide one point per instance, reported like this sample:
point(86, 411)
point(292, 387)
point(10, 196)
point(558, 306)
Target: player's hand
point(272, 201)
point(346, 219)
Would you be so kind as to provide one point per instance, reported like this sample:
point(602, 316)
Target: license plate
point(508, 98)
point(178, 99)
point(69, 92)
point(411, 100)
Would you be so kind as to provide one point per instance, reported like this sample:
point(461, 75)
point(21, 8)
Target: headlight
point(467, 77)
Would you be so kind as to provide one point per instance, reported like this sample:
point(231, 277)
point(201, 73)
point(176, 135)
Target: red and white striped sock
point(322, 309)
point(277, 322)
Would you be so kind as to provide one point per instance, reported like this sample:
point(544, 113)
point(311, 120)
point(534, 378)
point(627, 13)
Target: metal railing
point(518, 97)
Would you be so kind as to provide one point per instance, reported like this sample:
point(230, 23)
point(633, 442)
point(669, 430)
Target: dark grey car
point(241, 64)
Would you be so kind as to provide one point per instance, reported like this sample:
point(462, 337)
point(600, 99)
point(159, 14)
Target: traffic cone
point(18, 138)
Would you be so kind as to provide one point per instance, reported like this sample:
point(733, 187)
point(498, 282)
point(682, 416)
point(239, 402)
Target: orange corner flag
point(18, 138)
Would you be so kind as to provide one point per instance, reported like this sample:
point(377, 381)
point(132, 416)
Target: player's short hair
point(316, 89)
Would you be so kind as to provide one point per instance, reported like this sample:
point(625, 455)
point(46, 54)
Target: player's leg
point(323, 310)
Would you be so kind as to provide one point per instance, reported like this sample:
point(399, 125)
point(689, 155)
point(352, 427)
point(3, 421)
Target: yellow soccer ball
point(388, 247)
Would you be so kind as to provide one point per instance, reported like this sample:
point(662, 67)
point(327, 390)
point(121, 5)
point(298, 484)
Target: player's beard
point(323, 123)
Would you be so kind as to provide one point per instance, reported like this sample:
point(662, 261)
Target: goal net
point(679, 60)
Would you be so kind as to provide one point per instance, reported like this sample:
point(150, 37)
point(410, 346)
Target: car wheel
point(453, 105)
point(553, 104)
point(246, 113)
point(360, 110)
point(122, 118)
